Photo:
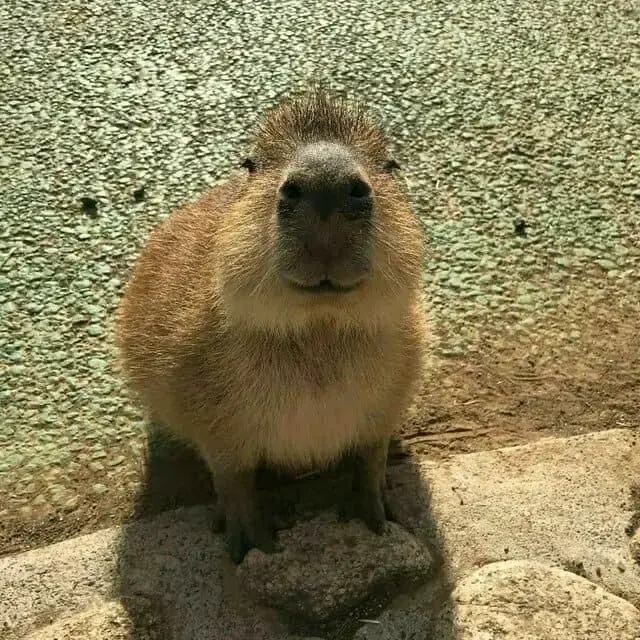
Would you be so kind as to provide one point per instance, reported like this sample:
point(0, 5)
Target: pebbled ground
point(518, 126)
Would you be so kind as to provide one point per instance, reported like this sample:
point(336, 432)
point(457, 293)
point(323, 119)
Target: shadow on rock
point(175, 560)
point(329, 579)
point(426, 612)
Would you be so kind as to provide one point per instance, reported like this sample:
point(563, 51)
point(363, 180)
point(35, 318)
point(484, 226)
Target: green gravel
point(500, 110)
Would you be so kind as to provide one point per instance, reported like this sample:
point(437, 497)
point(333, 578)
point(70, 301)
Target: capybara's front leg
point(247, 524)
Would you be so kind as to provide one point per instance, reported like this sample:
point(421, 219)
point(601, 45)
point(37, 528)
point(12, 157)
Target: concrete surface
point(173, 560)
point(498, 110)
point(562, 500)
point(107, 620)
point(561, 503)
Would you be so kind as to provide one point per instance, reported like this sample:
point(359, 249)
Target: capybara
point(278, 319)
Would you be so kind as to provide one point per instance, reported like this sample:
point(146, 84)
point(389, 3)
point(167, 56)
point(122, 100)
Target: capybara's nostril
point(325, 180)
point(290, 190)
point(359, 189)
point(356, 202)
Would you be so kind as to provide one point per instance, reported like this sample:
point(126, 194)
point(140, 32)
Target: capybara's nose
point(323, 180)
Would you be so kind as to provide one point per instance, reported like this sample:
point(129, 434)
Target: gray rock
point(99, 489)
point(327, 567)
point(97, 363)
point(523, 600)
point(607, 265)
point(173, 561)
point(94, 330)
point(562, 500)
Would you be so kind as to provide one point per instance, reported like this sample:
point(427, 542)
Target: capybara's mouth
point(324, 287)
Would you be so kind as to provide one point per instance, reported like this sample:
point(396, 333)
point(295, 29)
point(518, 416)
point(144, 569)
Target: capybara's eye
point(360, 189)
point(290, 191)
point(250, 165)
point(391, 165)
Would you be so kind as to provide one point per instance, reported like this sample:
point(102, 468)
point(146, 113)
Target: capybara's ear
point(391, 165)
point(250, 164)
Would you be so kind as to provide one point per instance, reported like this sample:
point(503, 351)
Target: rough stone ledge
point(515, 600)
point(107, 620)
point(563, 502)
point(328, 567)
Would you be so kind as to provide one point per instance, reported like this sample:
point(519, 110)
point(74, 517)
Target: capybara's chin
point(325, 287)
point(341, 275)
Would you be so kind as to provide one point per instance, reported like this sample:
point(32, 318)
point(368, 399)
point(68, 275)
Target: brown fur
point(222, 351)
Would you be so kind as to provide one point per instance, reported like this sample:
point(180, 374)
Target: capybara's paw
point(218, 520)
point(372, 511)
point(244, 534)
point(367, 506)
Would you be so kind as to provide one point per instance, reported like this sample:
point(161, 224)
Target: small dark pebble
point(89, 207)
point(520, 227)
point(599, 572)
point(139, 195)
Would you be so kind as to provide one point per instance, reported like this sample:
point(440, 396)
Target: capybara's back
point(278, 319)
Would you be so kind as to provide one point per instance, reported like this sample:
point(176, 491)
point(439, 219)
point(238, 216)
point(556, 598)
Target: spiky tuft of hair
point(318, 116)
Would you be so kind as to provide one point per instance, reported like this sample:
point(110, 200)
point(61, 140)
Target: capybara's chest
point(307, 411)
point(311, 426)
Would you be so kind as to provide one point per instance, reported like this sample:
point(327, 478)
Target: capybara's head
point(323, 230)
